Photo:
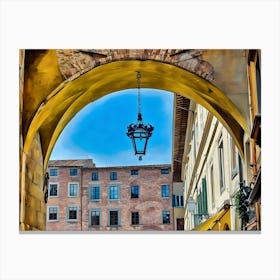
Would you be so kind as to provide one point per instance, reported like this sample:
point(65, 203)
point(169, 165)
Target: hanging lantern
point(191, 204)
point(139, 133)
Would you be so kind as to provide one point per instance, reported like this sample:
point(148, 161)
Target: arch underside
point(64, 102)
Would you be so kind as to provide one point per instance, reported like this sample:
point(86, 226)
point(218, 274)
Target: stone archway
point(58, 84)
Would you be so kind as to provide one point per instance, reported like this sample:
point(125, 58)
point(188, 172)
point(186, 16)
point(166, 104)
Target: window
point(94, 176)
point(135, 192)
point(134, 172)
point(204, 197)
point(94, 192)
point(164, 171)
point(53, 213)
point(72, 213)
point(73, 171)
point(73, 189)
point(180, 223)
point(233, 159)
point(113, 176)
point(221, 166)
point(166, 217)
point(53, 190)
point(178, 200)
point(135, 218)
point(212, 185)
point(113, 192)
point(114, 218)
point(164, 191)
point(53, 172)
point(95, 218)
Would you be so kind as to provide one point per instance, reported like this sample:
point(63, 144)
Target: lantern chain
point(139, 101)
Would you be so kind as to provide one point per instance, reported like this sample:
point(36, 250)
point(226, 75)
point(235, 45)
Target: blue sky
point(98, 131)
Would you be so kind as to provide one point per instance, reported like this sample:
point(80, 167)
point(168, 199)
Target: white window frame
point(113, 176)
point(119, 217)
point(77, 183)
point(70, 172)
point(162, 187)
point(97, 173)
point(113, 199)
point(51, 168)
point(89, 192)
point(48, 213)
point(164, 171)
point(100, 217)
point(137, 224)
point(67, 213)
point(134, 186)
point(163, 211)
point(49, 189)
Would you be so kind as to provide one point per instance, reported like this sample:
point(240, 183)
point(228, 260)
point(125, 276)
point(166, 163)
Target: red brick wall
point(63, 200)
point(150, 204)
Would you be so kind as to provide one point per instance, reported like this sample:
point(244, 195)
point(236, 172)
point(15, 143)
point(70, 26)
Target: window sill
point(114, 226)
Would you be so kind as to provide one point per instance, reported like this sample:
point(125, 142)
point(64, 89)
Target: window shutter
point(173, 200)
point(204, 195)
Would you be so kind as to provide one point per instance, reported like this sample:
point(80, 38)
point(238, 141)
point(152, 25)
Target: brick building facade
point(83, 197)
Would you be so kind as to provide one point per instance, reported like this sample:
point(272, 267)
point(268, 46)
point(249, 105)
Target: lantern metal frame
point(139, 131)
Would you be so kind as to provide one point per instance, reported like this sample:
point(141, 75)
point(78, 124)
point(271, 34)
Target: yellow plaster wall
point(70, 97)
point(33, 207)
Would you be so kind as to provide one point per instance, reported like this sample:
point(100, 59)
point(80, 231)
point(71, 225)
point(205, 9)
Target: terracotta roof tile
point(72, 162)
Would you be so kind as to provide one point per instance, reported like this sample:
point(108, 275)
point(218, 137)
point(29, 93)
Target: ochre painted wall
point(33, 211)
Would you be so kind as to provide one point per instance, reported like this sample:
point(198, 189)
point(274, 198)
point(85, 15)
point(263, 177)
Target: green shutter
point(204, 196)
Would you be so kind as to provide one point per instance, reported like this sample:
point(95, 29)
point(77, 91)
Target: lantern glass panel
point(140, 140)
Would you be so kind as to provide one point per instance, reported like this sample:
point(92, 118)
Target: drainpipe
point(240, 167)
point(81, 197)
point(254, 158)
